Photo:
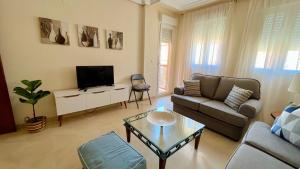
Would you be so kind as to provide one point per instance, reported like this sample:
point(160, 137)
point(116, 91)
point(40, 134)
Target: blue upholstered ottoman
point(110, 152)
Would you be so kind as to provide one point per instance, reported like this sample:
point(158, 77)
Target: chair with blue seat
point(139, 85)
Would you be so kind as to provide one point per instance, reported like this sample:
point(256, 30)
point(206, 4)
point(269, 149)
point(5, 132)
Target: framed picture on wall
point(88, 36)
point(54, 31)
point(114, 40)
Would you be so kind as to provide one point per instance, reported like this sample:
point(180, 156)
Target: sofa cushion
point(179, 90)
point(192, 88)
point(227, 83)
point(260, 136)
point(237, 96)
point(188, 101)
point(247, 157)
point(208, 84)
point(220, 111)
point(110, 151)
point(288, 124)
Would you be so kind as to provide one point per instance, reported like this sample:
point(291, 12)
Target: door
point(164, 67)
point(7, 123)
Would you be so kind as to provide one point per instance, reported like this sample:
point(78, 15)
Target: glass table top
point(168, 136)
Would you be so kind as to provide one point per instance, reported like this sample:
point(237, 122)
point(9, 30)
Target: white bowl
point(161, 118)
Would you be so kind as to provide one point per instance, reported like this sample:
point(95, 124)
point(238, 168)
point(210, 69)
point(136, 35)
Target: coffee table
point(164, 141)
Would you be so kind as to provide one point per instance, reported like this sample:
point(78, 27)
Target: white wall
point(25, 57)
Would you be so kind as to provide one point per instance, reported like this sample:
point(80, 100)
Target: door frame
point(171, 58)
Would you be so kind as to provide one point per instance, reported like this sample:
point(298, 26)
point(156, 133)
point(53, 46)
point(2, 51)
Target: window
point(164, 59)
point(164, 53)
point(260, 59)
point(274, 36)
point(208, 41)
point(292, 61)
point(271, 28)
point(206, 35)
point(213, 53)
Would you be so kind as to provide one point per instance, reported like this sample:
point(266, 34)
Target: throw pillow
point(192, 87)
point(287, 126)
point(237, 96)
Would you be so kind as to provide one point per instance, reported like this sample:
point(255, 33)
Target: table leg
point(125, 104)
point(128, 134)
point(60, 120)
point(162, 163)
point(197, 140)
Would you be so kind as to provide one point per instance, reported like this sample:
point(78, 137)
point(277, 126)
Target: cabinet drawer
point(97, 99)
point(69, 104)
point(119, 95)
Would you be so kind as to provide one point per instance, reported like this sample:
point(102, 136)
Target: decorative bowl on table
point(161, 118)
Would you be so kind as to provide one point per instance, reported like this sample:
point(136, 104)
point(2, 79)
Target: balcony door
point(164, 65)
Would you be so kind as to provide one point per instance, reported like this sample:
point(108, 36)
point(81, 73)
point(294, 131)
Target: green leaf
point(27, 101)
point(32, 85)
point(40, 94)
point(36, 84)
point(22, 92)
point(26, 82)
point(28, 95)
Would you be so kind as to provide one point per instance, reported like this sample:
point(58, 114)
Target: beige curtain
point(270, 50)
point(203, 41)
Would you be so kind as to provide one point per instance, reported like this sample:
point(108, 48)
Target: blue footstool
point(110, 152)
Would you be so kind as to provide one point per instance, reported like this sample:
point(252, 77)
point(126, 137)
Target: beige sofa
point(210, 108)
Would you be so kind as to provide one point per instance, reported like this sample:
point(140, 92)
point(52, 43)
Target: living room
point(123, 84)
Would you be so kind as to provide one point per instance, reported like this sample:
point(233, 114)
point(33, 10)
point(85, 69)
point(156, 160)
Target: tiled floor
point(55, 147)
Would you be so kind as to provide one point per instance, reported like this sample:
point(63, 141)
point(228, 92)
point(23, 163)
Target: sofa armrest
point(250, 108)
point(179, 90)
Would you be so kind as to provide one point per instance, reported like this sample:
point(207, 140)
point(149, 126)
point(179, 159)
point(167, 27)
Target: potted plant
point(30, 96)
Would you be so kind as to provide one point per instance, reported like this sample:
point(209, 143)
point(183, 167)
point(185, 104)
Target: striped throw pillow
point(192, 87)
point(237, 96)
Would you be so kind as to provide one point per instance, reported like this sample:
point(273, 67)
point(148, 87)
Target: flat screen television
point(91, 76)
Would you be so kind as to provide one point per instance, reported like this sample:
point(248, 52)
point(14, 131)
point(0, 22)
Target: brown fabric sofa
point(210, 109)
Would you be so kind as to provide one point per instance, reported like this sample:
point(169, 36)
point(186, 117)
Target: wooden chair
point(139, 85)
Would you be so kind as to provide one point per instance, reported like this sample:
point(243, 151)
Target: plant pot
point(35, 125)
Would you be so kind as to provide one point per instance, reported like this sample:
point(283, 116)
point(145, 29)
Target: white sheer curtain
point(270, 50)
point(203, 41)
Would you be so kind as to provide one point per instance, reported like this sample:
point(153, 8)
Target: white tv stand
point(74, 100)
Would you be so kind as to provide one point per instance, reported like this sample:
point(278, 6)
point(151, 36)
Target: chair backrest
point(137, 77)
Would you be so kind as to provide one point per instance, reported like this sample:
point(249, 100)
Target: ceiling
point(183, 5)
point(180, 5)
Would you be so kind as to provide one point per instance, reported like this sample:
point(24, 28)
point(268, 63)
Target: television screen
point(91, 76)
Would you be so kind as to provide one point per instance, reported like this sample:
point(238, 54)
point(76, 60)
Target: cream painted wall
point(25, 57)
point(151, 42)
